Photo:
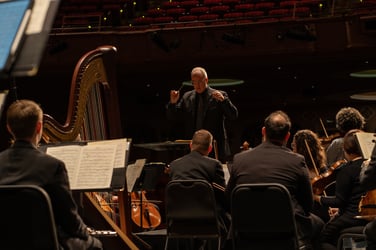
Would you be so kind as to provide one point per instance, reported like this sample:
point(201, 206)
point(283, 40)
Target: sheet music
point(366, 142)
point(91, 166)
point(133, 173)
point(122, 145)
point(38, 16)
point(3, 97)
point(70, 155)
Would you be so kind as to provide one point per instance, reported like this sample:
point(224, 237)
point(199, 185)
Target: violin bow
point(323, 127)
point(317, 171)
point(310, 155)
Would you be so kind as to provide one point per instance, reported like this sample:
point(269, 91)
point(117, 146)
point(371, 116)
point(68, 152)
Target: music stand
point(148, 180)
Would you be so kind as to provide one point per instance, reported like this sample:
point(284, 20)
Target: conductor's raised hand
point(174, 96)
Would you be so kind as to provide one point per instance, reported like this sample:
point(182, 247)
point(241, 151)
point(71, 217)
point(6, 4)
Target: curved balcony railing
point(194, 13)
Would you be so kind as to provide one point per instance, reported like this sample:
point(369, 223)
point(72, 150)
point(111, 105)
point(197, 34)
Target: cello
point(144, 213)
point(367, 203)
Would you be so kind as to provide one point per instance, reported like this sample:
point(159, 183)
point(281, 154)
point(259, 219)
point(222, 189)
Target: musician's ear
point(39, 126)
point(210, 148)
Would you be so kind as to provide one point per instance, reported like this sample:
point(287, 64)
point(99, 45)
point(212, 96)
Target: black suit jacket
point(197, 166)
point(24, 164)
point(214, 119)
point(269, 162)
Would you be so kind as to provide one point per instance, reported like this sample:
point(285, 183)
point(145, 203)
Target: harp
point(93, 114)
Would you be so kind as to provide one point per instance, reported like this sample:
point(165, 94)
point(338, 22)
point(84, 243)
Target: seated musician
point(347, 194)
point(367, 180)
point(23, 163)
point(347, 118)
point(272, 161)
point(198, 165)
point(307, 143)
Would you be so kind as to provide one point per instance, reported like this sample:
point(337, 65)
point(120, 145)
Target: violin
point(327, 139)
point(144, 213)
point(320, 182)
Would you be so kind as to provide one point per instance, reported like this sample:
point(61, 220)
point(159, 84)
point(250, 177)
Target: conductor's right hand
point(174, 96)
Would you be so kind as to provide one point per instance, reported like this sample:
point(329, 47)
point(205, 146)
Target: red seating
point(175, 11)
point(230, 2)
point(212, 2)
point(189, 4)
point(169, 5)
point(264, 5)
point(208, 17)
point(254, 13)
point(155, 12)
point(302, 11)
point(163, 19)
point(187, 18)
point(142, 20)
point(288, 4)
point(279, 12)
point(199, 10)
point(244, 7)
point(233, 15)
point(219, 9)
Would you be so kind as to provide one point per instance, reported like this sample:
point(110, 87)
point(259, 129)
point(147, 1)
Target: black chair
point(351, 237)
point(263, 217)
point(27, 221)
point(191, 213)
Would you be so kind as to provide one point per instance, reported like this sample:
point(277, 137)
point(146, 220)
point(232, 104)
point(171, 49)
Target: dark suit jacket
point(214, 121)
point(273, 163)
point(197, 166)
point(24, 164)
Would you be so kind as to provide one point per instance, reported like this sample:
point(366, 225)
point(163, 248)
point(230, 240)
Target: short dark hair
point(201, 141)
point(277, 125)
point(22, 118)
point(348, 118)
point(350, 143)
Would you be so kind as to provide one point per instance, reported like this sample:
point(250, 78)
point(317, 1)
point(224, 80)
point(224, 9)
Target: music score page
point(91, 166)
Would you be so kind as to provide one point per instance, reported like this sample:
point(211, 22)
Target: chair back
point(191, 210)
point(263, 217)
point(27, 220)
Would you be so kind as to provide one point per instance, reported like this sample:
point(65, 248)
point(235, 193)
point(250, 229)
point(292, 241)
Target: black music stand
point(148, 180)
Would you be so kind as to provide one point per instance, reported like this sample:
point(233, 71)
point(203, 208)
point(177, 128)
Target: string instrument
point(327, 139)
point(218, 187)
point(367, 205)
point(321, 181)
point(93, 113)
point(144, 213)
